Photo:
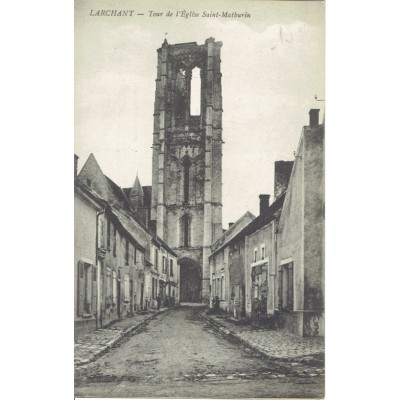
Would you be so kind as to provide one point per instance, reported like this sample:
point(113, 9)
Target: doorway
point(190, 281)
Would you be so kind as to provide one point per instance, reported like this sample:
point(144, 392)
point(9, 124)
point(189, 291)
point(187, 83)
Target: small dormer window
point(89, 182)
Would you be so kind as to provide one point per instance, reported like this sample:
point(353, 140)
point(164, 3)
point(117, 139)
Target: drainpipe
point(98, 265)
point(275, 247)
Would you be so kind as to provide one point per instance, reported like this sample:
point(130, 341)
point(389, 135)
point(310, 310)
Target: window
point(186, 178)
point(156, 258)
point(115, 242)
point(134, 255)
point(108, 234)
point(126, 288)
point(239, 249)
point(89, 182)
point(114, 287)
point(195, 92)
point(164, 268)
point(127, 252)
point(262, 253)
point(222, 287)
point(86, 290)
point(153, 288)
point(286, 286)
point(255, 255)
point(109, 287)
point(185, 229)
point(181, 101)
point(171, 267)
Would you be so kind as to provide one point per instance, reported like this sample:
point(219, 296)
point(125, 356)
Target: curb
point(112, 343)
point(234, 336)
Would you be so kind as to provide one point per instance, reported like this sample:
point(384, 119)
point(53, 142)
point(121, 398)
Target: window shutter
point(89, 285)
point(290, 286)
point(114, 287)
point(94, 297)
point(80, 288)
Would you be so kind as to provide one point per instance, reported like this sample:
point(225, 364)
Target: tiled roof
point(258, 223)
point(88, 191)
point(232, 231)
point(119, 194)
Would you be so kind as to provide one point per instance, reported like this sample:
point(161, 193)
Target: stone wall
point(186, 145)
point(301, 236)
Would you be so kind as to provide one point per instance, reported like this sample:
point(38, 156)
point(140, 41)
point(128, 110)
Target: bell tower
point(187, 158)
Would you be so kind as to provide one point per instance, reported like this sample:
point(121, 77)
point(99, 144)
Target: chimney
point(76, 158)
point(230, 224)
point(264, 203)
point(314, 116)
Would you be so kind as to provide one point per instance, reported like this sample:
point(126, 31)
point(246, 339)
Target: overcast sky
point(272, 67)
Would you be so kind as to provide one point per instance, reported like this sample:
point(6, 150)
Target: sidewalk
point(92, 345)
point(271, 343)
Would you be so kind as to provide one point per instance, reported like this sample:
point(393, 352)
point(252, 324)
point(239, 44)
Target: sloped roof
point(243, 221)
point(257, 223)
point(137, 187)
point(137, 233)
point(264, 219)
point(78, 184)
point(119, 194)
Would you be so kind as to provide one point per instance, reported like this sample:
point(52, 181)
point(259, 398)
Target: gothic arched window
point(185, 230)
point(195, 92)
point(181, 90)
point(186, 179)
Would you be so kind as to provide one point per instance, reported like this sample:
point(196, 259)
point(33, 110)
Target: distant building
point(227, 269)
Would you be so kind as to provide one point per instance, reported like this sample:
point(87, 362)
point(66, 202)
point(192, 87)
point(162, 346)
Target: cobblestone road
point(178, 354)
point(274, 343)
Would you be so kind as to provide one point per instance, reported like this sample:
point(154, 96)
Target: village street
point(179, 354)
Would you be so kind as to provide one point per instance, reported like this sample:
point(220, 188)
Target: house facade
point(271, 271)
point(87, 208)
point(300, 238)
point(121, 266)
point(227, 269)
point(122, 278)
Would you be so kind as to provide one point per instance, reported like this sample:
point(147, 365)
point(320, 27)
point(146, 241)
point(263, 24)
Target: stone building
point(129, 278)
point(273, 267)
point(227, 268)
point(122, 266)
point(186, 205)
point(87, 207)
point(260, 263)
point(300, 238)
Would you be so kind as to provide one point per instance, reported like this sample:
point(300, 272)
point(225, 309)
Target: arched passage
point(190, 281)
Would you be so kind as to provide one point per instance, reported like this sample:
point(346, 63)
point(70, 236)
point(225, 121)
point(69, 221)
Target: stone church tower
point(187, 158)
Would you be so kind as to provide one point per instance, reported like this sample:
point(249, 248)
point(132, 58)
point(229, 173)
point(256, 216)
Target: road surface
point(178, 354)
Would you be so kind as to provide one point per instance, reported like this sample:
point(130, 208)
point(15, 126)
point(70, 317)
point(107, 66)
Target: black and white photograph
point(199, 199)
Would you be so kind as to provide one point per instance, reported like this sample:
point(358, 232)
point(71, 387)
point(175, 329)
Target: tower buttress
point(187, 152)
